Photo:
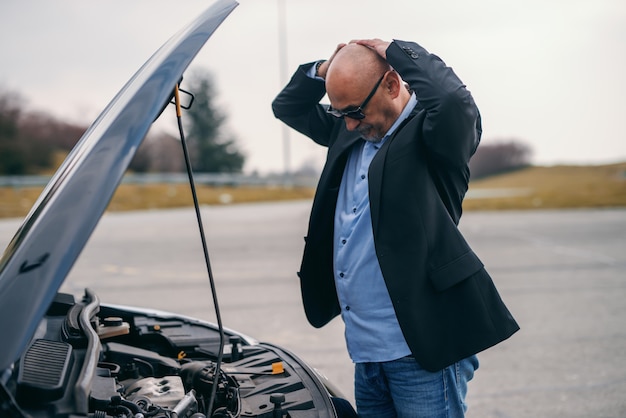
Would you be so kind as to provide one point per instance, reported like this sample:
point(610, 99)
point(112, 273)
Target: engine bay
point(92, 360)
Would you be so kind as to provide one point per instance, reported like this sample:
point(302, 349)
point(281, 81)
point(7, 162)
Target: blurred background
point(547, 76)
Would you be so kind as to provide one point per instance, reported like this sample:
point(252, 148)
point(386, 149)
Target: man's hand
point(377, 45)
point(321, 71)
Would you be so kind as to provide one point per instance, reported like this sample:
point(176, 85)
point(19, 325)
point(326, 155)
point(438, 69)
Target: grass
point(156, 196)
point(554, 187)
point(16, 202)
point(531, 188)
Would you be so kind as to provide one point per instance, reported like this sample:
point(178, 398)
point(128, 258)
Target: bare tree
point(159, 152)
point(30, 140)
point(48, 131)
point(499, 157)
point(12, 156)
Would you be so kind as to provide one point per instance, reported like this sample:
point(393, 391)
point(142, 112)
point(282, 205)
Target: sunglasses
point(356, 113)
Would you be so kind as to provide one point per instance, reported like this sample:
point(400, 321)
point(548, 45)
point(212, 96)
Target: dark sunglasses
point(358, 112)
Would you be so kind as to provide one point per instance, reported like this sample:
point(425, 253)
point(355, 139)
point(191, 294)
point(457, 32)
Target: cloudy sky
point(550, 73)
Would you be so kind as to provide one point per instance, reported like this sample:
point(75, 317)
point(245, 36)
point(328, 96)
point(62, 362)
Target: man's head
point(365, 91)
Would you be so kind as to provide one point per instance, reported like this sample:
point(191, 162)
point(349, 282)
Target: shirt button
point(347, 308)
point(341, 274)
point(353, 210)
point(343, 241)
point(362, 176)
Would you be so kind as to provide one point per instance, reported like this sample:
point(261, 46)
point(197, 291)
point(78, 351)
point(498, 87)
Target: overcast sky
point(550, 73)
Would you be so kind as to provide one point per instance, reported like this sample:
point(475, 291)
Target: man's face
point(372, 128)
point(370, 118)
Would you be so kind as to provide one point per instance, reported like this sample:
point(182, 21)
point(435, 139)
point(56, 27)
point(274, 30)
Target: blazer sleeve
point(297, 105)
point(452, 126)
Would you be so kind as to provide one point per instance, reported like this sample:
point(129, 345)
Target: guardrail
point(236, 180)
point(210, 179)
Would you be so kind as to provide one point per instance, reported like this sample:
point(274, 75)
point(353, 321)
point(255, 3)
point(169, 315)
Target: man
point(383, 248)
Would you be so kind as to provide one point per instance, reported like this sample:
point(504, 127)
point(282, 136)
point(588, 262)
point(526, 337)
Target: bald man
point(383, 249)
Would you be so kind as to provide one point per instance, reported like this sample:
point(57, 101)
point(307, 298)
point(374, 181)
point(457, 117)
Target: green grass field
point(531, 188)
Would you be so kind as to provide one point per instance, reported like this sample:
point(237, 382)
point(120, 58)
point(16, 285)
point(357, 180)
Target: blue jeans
point(401, 388)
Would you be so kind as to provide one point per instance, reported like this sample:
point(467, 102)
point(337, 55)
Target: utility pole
point(282, 57)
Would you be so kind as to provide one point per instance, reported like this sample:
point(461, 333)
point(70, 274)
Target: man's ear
point(393, 84)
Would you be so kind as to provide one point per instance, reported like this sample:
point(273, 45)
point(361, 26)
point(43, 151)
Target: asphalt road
point(562, 274)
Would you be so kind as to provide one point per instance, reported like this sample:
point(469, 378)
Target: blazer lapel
point(337, 158)
point(375, 180)
point(342, 145)
point(375, 173)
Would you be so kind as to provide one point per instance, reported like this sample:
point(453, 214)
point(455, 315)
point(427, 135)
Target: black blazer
point(446, 303)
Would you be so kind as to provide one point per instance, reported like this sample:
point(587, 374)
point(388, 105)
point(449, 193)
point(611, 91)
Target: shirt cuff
point(311, 71)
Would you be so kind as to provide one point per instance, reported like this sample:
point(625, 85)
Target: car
point(66, 355)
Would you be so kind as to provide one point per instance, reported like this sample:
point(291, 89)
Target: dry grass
point(555, 187)
point(132, 197)
point(16, 202)
point(542, 187)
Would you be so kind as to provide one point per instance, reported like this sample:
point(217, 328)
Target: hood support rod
point(204, 248)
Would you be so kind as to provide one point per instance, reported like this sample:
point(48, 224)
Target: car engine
point(92, 360)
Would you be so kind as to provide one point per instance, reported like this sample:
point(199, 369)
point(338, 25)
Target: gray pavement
point(560, 272)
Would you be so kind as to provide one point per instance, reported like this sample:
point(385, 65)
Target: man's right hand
point(321, 71)
point(376, 44)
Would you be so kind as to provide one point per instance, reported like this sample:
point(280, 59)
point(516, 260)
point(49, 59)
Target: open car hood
point(47, 244)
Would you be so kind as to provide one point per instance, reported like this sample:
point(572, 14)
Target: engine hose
point(120, 409)
point(128, 408)
point(132, 406)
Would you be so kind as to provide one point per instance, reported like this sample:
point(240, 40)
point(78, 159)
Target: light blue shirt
point(372, 331)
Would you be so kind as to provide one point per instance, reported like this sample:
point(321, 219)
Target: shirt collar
point(406, 112)
point(408, 108)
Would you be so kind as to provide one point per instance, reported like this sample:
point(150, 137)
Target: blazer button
point(410, 52)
